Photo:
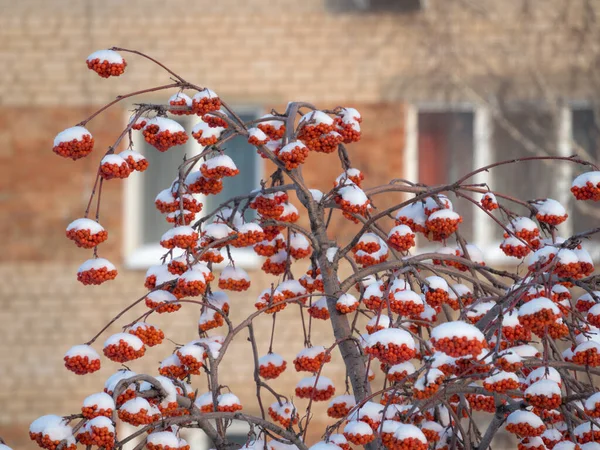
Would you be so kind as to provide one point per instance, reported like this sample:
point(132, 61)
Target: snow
point(399, 285)
point(110, 56)
point(192, 275)
point(100, 422)
point(288, 209)
point(439, 359)
point(541, 255)
point(588, 177)
point(391, 336)
point(112, 381)
point(180, 96)
point(317, 195)
point(590, 446)
point(374, 290)
point(585, 346)
point(324, 446)
point(257, 133)
point(588, 297)
point(292, 146)
point(96, 264)
point(293, 286)
point(205, 93)
point(218, 299)
point(171, 360)
point(101, 399)
point(83, 350)
point(322, 384)
point(527, 417)
point(510, 319)
point(521, 223)
point(249, 227)
point(85, 224)
point(566, 256)
point(428, 313)
point(583, 255)
point(400, 230)
point(585, 427)
point(165, 196)
point(129, 339)
point(299, 241)
point(455, 329)
point(183, 230)
point(406, 431)
point(39, 424)
point(550, 207)
point(165, 124)
point(414, 211)
point(358, 427)
point(501, 376)
point(207, 131)
point(164, 438)
point(443, 214)
point(311, 352)
point(372, 410)
point(491, 196)
point(538, 304)
point(546, 388)
point(220, 161)
point(552, 434)
point(389, 426)
point(592, 400)
point(348, 400)
point(204, 400)
point(459, 289)
point(428, 378)
point(407, 367)
point(271, 358)
point(316, 117)
point(381, 321)
point(435, 282)
point(228, 399)
point(544, 373)
point(475, 253)
point(217, 230)
point(347, 300)
point(353, 194)
point(234, 273)
point(525, 351)
point(113, 159)
point(338, 439)
point(276, 445)
point(161, 296)
point(133, 154)
point(331, 253)
point(71, 134)
point(57, 431)
point(135, 405)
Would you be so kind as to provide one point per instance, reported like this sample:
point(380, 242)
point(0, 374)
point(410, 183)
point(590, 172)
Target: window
point(585, 127)
point(447, 141)
point(198, 440)
point(144, 224)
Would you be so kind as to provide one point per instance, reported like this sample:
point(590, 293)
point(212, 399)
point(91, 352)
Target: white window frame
point(483, 154)
point(139, 256)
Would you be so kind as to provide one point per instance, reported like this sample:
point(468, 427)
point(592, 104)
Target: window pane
point(586, 133)
point(248, 162)
point(524, 180)
point(162, 170)
point(446, 153)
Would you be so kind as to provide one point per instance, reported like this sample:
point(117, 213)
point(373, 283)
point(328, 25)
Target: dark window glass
point(446, 149)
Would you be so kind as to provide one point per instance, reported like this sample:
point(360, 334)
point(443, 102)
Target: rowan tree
point(454, 338)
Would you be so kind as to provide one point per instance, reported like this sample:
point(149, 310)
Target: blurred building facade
point(443, 86)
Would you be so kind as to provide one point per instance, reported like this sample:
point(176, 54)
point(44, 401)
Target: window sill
point(495, 257)
point(148, 255)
